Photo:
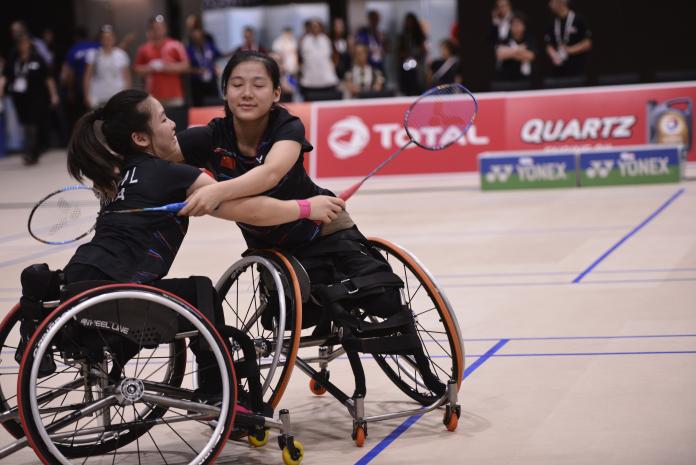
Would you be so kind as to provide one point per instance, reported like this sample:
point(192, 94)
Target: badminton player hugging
point(258, 147)
point(118, 148)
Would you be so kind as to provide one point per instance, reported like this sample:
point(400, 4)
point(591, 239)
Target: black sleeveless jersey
point(140, 247)
point(214, 147)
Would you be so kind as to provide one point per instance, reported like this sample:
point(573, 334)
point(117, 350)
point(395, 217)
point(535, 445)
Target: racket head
point(441, 116)
point(64, 216)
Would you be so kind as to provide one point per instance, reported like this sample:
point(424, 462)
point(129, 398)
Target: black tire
point(9, 370)
point(149, 417)
point(435, 323)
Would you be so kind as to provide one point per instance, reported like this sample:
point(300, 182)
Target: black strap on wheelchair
point(356, 287)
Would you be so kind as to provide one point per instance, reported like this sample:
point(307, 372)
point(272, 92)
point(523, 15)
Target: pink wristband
point(305, 208)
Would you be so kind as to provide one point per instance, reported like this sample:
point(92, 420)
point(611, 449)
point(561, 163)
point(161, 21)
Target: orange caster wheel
point(359, 436)
point(451, 418)
point(316, 388)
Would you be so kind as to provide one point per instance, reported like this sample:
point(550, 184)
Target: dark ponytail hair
point(249, 55)
point(102, 140)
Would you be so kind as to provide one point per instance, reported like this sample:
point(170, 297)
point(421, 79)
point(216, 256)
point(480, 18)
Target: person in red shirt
point(161, 61)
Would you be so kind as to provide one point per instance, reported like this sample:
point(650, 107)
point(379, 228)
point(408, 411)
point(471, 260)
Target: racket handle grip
point(348, 193)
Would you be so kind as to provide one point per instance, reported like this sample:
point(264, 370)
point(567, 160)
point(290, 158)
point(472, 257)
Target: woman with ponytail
point(118, 149)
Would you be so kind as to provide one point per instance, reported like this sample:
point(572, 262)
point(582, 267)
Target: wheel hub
point(132, 389)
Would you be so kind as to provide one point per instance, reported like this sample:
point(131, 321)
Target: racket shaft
point(348, 193)
point(169, 208)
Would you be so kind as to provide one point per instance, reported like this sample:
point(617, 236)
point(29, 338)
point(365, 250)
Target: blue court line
point(654, 214)
point(571, 338)
point(24, 258)
point(13, 237)
point(516, 232)
point(384, 443)
point(565, 283)
point(561, 273)
point(588, 354)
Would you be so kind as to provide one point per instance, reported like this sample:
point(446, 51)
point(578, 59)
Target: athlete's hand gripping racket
point(69, 214)
point(437, 119)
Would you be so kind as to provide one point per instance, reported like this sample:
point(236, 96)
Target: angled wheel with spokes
point(260, 295)
point(9, 370)
point(121, 394)
point(436, 326)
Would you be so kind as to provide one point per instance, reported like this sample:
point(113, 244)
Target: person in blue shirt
point(202, 54)
point(71, 77)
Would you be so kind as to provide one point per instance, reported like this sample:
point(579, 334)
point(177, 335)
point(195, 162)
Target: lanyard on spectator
point(566, 31)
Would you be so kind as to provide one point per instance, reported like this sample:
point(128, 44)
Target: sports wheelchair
point(265, 293)
point(101, 373)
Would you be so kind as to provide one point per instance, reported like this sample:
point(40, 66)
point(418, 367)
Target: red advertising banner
point(353, 137)
point(350, 138)
point(602, 117)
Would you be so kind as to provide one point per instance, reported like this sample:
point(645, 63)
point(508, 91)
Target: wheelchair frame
point(319, 382)
point(46, 440)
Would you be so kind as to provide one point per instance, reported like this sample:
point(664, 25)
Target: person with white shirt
point(285, 45)
point(107, 71)
point(318, 72)
point(501, 17)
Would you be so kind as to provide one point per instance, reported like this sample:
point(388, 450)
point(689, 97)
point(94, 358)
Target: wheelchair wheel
point(260, 296)
point(436, 325)
point(119, 392)
point(9, 370)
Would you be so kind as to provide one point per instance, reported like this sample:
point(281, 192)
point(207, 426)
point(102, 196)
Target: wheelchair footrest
point(393, 344)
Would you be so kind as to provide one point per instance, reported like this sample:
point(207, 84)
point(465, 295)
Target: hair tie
point(99, 113)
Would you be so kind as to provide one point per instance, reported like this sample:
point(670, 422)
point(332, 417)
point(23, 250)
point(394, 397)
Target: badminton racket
point(436, 120)
point(69, 214)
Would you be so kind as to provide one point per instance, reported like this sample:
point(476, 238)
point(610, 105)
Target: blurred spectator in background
point(19, 29)
point(285, 45)
point(193, 21)
point(516, 54)
point(161, 61)
point(342, 46)
point(107, 71)
point(362, 76)
point(500, 21)
point(48, 37)
point(568, 40)
point(204, 73)
point(412, 55)
point(33, 92)
point(454, 33)
point(249, 43)
point(445, 70)
point(374, 39)
point(57, 136)
point(318, 73)
point(288, 83)
point(72, 76)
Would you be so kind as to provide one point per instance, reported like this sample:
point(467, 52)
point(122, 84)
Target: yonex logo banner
point(508, 171)
point(632, 165)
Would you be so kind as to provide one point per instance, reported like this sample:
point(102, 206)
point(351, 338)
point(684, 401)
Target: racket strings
point(441, 116)
point(65, 215)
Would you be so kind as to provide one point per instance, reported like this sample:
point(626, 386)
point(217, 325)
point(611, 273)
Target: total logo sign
point(349, 137)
